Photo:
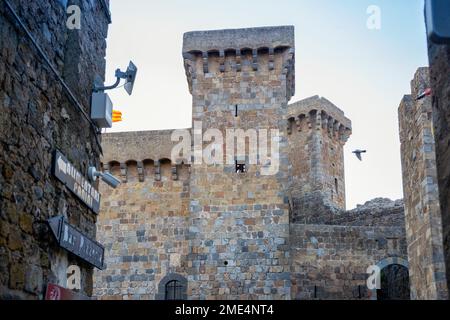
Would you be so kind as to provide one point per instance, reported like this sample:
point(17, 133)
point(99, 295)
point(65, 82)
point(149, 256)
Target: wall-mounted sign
point(76, 182)
point(74, 241)
point(55, 292)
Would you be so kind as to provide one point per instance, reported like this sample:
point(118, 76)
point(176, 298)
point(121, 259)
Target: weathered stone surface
point(26, 223)
point(223, 240)
point(253, 38)
point(139, 146)
point(261, 96)
point(32, 127)
point(34, 279)
point(17, 276)
point(439, 57)
point(421, 193)
point(143, 227)
point(331, 261)
point(15, 241)
point(318, 131)
point(224, 235)
point(377, 212)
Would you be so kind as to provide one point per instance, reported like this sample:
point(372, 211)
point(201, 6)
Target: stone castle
point(182, 230)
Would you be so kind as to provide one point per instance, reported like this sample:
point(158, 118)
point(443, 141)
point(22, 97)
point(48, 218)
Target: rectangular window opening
point(241, 167)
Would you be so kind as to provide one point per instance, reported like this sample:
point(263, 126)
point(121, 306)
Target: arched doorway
point(174, 290)
point(172, 287)
point(394, 283)
point(394, 280)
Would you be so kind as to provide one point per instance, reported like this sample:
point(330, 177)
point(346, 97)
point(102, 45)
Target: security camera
point(108, 178)
point(111, 180)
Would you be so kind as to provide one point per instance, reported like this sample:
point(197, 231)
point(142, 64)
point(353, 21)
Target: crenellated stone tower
point(239, 222)
point(317, 131)
point(229, 227)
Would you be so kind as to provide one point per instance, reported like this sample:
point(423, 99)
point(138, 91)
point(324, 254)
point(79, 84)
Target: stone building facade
point(178, 228)
point(317, 132)
point(439, 58)
point(37, 117)
point(421, 193)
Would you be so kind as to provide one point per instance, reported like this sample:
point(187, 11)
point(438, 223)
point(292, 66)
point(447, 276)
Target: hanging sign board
point(74, 241)
point(76, 182)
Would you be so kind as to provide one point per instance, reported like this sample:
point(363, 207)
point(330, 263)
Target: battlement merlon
point(411, 106)
point(319, 112)
point(254, 38)
point(239, 43)
point(139, 146)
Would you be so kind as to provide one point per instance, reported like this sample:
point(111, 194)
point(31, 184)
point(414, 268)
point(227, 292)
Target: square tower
point(241, 81)
point(317, 131)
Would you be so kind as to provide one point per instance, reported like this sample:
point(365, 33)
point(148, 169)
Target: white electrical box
point(101, 110)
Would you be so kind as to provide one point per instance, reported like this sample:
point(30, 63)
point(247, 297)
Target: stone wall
point(421, 194)
point(227, 235)
point(147, 229)
point(37, 117)
point(239, 222)
point(331, 253)
point(378, 212)
point(331, 261)
point(317, 132)
point(137, 146)
point(439, 56)
point(144, 229)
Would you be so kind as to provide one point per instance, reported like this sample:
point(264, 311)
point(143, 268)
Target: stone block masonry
point(421, 193)
point(143, 224)
point(318, 131)
point(37, 117)
point(439, 57)
point(330, 261)
point(243, 241)
point(204, 231)
point(330, 254)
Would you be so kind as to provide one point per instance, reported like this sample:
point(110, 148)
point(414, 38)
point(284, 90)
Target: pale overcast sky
point(364, 72)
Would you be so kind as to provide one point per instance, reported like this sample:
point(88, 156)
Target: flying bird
point(358, 153)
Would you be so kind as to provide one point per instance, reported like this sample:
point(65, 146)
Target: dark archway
point(395, 272)
point(394, 283)
point(174, 290)
point(172, 287)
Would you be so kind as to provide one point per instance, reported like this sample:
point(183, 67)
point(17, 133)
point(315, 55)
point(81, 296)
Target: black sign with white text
point(74, 241)
point(76, 182)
